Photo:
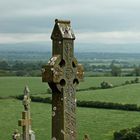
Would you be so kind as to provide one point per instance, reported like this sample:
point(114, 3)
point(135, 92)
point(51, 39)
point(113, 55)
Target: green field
point(129, 94)
point(10, 86)
point(96, 81)
point(98, 123)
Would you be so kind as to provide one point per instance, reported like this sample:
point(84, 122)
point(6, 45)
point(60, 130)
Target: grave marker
point(63, 73)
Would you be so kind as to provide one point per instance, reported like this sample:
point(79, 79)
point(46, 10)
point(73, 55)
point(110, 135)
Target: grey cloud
point(97, 15)
point(37, 16)
point(88, 23)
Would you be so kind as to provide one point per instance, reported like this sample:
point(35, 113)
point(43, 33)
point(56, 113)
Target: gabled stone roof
point(62, 30)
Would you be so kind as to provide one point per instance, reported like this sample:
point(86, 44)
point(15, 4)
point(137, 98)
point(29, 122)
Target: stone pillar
point(25, 122)
point(63, 73)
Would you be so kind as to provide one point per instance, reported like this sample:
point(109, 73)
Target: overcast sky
point(112, 23)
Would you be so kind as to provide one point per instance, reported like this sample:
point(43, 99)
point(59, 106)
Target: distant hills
point(82, 56)
point(42, 51)
point(79, 47)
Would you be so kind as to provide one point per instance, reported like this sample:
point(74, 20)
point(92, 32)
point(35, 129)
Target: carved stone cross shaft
point(25, 122)
point(63, 74)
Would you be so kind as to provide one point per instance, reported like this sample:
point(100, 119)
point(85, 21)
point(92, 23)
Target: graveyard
point(71, 106)
point(69, 70)
point(106, 121)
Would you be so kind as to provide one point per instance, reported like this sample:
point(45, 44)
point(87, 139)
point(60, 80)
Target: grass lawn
point(98, 123)
point(11, 112)
point(96, 81)
point(10, 86)
point(124, 94)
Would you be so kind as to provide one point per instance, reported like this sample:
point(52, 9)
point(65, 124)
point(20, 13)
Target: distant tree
point(87, 67)
point(20, 73)
point(105, 85)
point(136, 71)
point(4, 65)
point(136, 80)
point(115, 70)
point(18, 66)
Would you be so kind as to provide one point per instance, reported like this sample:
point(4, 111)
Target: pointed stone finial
point(26, 90)
point(26, 99)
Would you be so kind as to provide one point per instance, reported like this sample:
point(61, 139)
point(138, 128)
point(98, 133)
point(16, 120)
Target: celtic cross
point(63, 73)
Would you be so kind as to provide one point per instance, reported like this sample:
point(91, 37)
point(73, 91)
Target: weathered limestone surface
point(63, 73)
point(25, 122)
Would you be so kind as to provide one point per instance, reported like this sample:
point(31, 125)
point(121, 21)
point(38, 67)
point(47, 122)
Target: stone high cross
point(63, 73)
point(25, 122)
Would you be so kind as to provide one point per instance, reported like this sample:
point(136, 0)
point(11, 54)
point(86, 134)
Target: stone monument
point(25, 122)
point(16, 135)
point(63, 73)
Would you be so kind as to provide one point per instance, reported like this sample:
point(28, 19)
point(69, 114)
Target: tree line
point(33, 68)
point(20, 68)
point(114, 69)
